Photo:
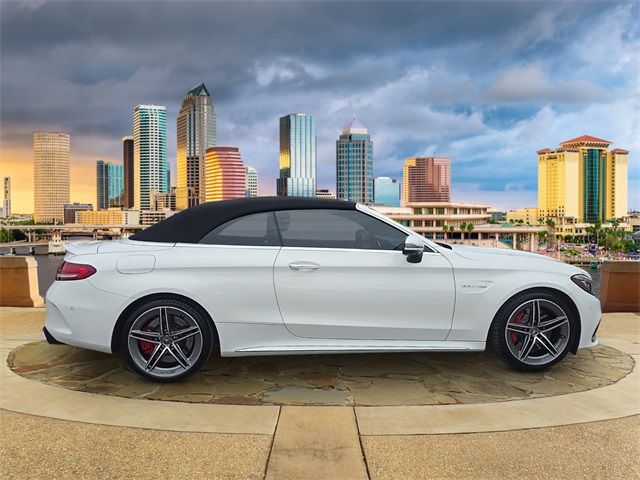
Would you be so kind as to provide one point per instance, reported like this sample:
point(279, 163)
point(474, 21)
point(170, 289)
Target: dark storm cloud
point(421, 75)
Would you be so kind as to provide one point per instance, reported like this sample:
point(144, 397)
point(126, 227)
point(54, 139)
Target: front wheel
point(166, 340)
point(533, 331)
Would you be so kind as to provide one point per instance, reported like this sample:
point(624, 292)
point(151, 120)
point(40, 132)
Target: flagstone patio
point(352, 380)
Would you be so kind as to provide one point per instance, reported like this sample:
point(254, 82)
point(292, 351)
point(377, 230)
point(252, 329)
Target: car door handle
point(304, 266)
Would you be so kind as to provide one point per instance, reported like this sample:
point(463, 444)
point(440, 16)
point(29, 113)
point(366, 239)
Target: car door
point(230, 271)
point(342, 274)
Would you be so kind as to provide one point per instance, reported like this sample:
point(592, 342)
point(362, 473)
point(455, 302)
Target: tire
point(533, 331)
point(166, 340)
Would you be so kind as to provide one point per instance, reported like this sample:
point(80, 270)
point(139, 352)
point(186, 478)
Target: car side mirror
point(413, 249)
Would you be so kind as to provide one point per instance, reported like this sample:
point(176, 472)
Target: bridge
point(82, 227)
point(72, 229)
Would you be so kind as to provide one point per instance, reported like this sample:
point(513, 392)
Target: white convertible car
point(269, 276)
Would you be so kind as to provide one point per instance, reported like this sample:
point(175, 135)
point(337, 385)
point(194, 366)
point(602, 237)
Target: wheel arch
point(553, 291)
point(122, 318)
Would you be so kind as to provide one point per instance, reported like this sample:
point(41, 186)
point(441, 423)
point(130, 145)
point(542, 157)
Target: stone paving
point(353, 380)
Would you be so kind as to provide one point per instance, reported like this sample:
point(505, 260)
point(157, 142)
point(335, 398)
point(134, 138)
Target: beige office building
point(112, 216)
point(51, 158)
point(443, 221)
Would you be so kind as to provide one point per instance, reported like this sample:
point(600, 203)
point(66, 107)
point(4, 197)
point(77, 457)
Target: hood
point(516, 259)
point(479, 253)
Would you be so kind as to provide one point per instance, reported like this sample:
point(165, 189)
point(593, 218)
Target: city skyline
point(536, 85)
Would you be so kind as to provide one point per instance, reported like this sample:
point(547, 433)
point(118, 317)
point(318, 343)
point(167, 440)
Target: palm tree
point(550, 226)
point(597, 230)
point(463, 227)
point(470, 229)
point(445, 229)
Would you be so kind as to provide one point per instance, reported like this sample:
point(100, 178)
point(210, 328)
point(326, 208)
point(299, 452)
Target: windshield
point(370, 211)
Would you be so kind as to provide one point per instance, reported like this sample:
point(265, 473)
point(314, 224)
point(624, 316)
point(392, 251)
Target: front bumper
point(590, 316)
point(50, 338)
point(82, 315)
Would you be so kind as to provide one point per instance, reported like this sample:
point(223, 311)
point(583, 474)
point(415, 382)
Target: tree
point(445, 229)
point(463, 227)
point(542, 236)
point(5, 235)
point(550, 226)
point(470, 229)
point(597, 230)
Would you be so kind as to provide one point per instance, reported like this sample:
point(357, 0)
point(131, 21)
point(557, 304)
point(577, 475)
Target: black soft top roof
point(189, 226)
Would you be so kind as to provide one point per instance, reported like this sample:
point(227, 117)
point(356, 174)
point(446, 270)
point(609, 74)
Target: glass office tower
point(150, 165)
point(109, 185)
point(354, 164)
point(297, 156)
point(386, 192)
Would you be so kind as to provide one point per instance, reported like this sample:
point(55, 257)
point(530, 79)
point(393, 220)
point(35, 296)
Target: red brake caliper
point(146, 347)
point(518, 319)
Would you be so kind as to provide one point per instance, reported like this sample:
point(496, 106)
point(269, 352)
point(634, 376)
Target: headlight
point(584, 282)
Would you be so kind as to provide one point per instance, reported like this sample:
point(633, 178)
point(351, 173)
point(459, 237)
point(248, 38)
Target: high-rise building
point(102, 185)
point(252, 181)
point(127, 162)
point(70, 210)
point(196, 129)
point(116, 185)
point(225, 174)
point(387, 192)
point(51, 158)
point(297, 156)
point(164, 201)
point(354, 164)
point(109, 185)
point(150, 165)
point(6, 204)
point(583, 181)
point(426, 179)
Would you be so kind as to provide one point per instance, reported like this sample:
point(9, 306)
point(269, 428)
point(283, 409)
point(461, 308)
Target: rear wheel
point(533, 331)
point(166, 340)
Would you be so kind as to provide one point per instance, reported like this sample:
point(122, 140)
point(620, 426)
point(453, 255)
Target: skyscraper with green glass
point(150, 165)
point(109, 185)
point(354, 164)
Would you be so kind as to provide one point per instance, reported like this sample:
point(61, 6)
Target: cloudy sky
point(486, 83)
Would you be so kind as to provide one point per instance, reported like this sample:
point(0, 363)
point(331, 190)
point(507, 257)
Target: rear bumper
point(81, 315)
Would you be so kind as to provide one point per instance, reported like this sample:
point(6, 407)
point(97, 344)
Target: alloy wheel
point(537, 332)
point(165, 341)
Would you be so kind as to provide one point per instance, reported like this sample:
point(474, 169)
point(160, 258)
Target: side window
point(337, 229)
point(258, 229)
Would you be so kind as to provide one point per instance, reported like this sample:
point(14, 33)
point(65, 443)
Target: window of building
point(337, 229)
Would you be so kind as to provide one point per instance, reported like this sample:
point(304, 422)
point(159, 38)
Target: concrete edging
point(618, 400)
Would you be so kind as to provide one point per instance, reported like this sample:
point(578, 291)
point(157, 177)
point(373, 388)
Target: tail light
point(74, 271)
